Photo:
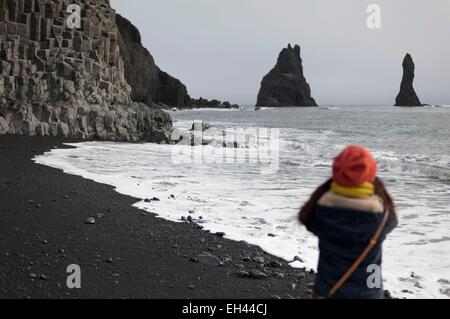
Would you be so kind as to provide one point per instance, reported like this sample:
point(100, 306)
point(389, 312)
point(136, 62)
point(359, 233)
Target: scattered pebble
point(279, 275)
point(90, 221)
point(301, 275)
point(256, 274)
point(405, 291)
point(275, 264)
point(297, 258)
point(149, 200)
point(227, 259)
point(387, 294)
point(208, 259)
point(243, 274)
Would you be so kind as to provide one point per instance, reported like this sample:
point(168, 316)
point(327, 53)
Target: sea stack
point(60, 80)
point(407, 95)
point(285, 84)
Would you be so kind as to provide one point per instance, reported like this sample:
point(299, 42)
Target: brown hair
point(308, 208)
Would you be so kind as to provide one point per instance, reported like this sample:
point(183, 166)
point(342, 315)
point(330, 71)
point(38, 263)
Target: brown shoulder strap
point(369, 247)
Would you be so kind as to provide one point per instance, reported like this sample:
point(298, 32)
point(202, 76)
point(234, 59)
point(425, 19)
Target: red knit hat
point(354, 166)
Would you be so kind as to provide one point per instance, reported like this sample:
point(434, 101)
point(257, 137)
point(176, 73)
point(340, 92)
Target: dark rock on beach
point(256, 274)
point(407, 95)
point(208, 259)
point(285, 84)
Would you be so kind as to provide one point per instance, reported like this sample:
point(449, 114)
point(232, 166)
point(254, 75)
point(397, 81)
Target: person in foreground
point(351, 214)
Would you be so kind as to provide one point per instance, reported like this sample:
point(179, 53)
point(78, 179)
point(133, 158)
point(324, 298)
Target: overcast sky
point(222, 48)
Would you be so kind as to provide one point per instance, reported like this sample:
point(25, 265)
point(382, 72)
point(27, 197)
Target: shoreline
point(127, 253)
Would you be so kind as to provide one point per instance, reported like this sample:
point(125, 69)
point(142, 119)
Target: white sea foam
point(206, 109)
point(246, 205)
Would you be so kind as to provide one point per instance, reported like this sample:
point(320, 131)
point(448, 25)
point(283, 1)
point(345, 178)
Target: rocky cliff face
point(285, 84)
point(407, 95)
point(148, 82)
point(56, 80)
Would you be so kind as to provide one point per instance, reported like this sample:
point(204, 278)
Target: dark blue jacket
point(343, 234)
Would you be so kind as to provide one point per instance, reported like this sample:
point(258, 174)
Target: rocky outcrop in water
point(205, 103)
point(148, 82)
point(407, 95)
point(285, 84)
point(62, 81)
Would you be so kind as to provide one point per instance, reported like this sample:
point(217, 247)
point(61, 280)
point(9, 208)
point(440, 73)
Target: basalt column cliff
point(58, 80)
point(285, 84)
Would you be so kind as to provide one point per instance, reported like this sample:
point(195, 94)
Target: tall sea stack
point(60, 80)
point(285, 84)
point(407, 95)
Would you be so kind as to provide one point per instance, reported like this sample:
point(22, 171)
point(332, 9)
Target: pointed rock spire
point(285, 84)
point(407, 95)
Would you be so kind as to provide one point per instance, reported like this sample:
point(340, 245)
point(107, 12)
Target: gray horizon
point(222, 49)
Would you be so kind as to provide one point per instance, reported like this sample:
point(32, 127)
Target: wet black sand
point(127, 253)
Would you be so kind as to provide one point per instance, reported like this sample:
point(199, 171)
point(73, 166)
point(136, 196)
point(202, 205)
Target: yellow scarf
point(364, 190)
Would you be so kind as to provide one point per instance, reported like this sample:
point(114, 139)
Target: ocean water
point(258, 200)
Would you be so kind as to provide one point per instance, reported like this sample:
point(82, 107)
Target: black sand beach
point(127, 253)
